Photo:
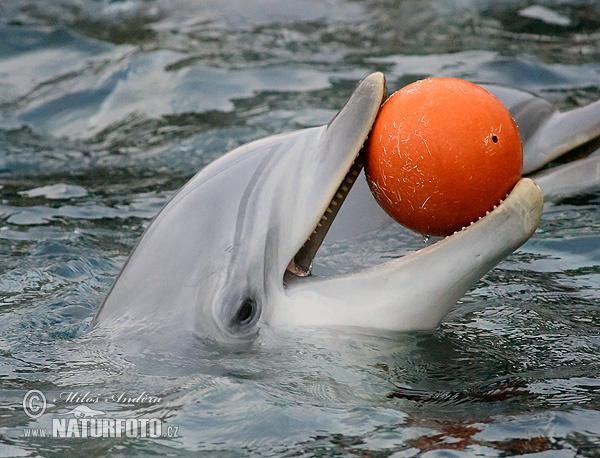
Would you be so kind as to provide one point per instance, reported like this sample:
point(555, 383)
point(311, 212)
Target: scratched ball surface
point(442, 153)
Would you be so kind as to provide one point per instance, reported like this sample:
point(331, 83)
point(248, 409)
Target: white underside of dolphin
point(221, 259)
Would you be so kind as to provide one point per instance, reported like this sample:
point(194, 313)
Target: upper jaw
point(337, 165)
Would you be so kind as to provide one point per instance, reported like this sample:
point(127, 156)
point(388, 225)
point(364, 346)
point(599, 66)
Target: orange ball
point(442, 153)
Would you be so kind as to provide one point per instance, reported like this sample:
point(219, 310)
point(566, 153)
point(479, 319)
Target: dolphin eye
point(246, 312)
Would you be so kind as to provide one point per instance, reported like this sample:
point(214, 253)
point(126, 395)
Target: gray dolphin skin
point(230, 254)
point(572, 137)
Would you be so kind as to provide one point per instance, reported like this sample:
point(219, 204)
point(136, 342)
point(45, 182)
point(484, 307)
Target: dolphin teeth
point(302, 261)
point(481, 217)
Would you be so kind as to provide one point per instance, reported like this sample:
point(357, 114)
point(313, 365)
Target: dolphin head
point(231, 252)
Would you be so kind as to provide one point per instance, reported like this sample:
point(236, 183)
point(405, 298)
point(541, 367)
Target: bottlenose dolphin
point(560, 149)
point(231, 252)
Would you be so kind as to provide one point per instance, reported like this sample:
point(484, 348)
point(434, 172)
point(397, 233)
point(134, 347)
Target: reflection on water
point(108, 107)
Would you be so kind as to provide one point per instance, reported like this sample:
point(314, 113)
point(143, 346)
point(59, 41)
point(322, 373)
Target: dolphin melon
point(442, 153)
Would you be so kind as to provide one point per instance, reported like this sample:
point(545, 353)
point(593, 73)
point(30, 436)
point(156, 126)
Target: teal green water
point(108, 107)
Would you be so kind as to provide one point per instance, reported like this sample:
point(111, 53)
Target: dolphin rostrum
point(231, 252)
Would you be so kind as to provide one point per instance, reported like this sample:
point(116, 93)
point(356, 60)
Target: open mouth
point(517, 215)
point(301, 264)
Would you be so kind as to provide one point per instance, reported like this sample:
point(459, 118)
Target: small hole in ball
point(494, 138)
